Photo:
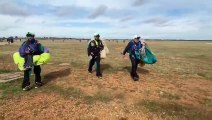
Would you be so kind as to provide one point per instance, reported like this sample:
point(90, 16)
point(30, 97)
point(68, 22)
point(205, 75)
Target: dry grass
point(178, 86)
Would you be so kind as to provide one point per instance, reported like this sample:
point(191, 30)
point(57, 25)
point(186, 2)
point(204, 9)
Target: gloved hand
point(31, 51)
point(92, 55)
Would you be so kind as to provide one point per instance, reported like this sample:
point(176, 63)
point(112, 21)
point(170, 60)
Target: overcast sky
point(175, 19)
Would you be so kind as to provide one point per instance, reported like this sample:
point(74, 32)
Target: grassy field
point(178, 86)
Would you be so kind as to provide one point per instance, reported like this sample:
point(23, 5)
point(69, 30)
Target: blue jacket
point(32, 46)
point(132, 47)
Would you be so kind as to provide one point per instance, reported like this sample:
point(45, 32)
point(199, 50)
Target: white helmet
point(136, 37)
point(96, 35)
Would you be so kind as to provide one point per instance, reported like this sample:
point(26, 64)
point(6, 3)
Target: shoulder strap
point(96, 43)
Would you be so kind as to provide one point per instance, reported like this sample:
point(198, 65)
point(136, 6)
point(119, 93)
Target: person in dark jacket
point(10, 40)
point(29, 48)
point(94, 48)
point(133, 48)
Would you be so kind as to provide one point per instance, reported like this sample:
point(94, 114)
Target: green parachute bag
point(148, 57)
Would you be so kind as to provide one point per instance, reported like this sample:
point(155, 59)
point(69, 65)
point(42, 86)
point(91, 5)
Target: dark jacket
point(95, 47)
point(33, 46)
point(132, 47)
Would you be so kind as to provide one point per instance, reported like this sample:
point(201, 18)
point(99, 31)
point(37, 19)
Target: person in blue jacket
point(133, 48)
point(29, 48)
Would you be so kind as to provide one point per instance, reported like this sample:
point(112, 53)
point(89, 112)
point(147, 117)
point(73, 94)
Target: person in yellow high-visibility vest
point(94, 49)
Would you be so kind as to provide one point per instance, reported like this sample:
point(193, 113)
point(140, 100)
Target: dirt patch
point(52, 106)
point(170, 89)
point(150, 86)
point(124, 94)
point(79, 95)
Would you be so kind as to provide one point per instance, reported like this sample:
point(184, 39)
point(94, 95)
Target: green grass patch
point(99, 96)
point(173, 110)
point(208, 102)
point(11, 89)
point(112, 70)
point(5, 71)
point(206, 75)
point(70, 92)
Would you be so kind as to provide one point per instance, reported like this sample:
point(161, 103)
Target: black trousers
point(134, 63)
point(94, 60)
point(37, 71)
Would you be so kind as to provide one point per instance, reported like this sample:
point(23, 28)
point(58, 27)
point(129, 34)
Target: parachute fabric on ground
point(149, 57)
point(37, 60)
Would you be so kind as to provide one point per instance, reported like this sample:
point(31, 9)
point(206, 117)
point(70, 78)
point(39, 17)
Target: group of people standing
point(133, 47)
point(32, 47)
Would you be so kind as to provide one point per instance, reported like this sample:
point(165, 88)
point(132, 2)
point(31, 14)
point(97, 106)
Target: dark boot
point(136, 77)
point(37, 71)
point(99, 75)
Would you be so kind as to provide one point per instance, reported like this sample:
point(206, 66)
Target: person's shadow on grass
point(104, 67)
point(56, 74)
point(139, 70)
